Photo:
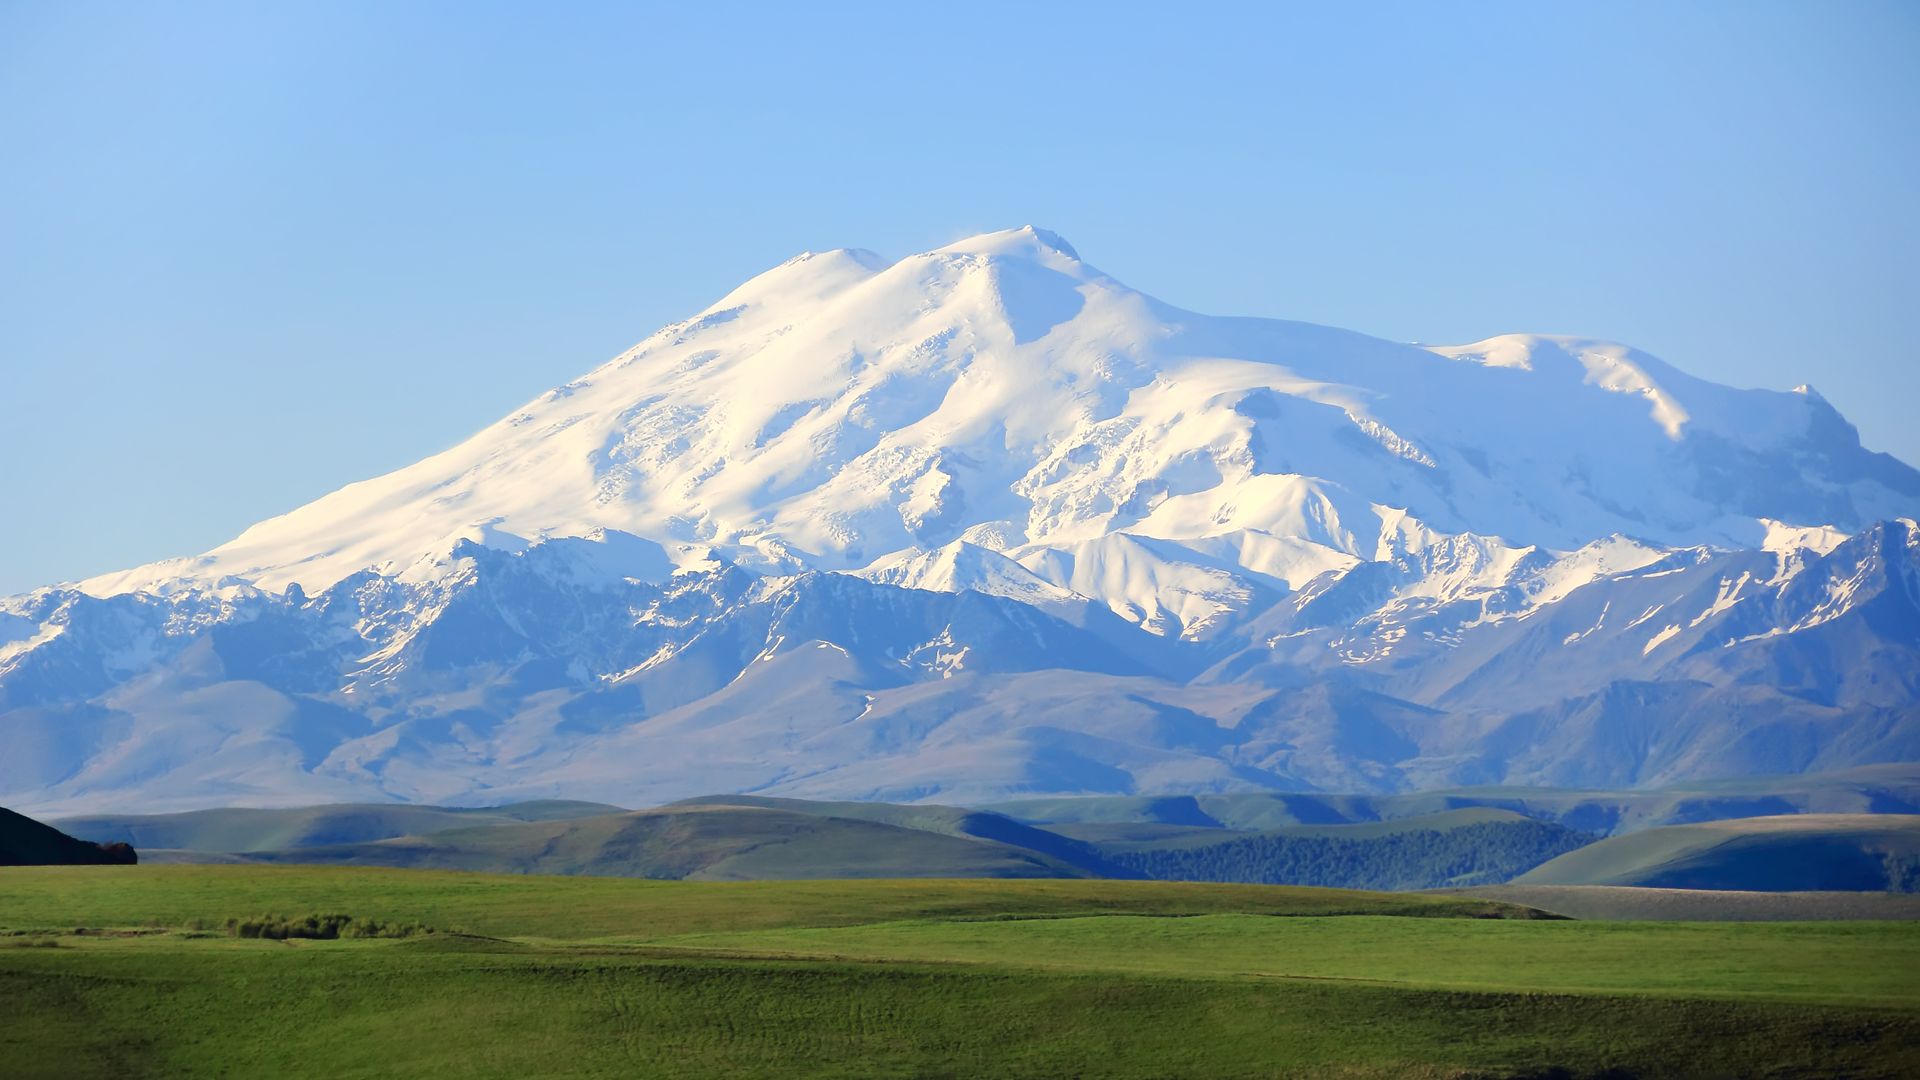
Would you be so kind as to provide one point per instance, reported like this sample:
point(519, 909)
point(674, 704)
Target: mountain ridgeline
point(985, 524)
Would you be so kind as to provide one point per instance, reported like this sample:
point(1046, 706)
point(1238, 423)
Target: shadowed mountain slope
point(1839, 852)
point(26, 842)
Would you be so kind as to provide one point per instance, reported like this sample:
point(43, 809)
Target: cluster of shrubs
point(1903, 873)
point(321, 927)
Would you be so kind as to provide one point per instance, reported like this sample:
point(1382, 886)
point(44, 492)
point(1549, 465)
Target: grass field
point(624, 909)
point(1699, 905)
point(583, 976)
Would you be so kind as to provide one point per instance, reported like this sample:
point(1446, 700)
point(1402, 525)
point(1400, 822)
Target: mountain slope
point(943, 820)
point(984, 522)
point(241, 829)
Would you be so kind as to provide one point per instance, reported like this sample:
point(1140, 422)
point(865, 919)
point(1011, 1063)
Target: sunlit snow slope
point(838, 410)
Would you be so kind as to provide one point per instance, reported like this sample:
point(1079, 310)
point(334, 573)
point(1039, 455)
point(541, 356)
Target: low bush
point(321, 927)
point(1903, 873)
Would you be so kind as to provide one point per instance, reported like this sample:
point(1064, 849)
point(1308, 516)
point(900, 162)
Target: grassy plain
point(1699, 905)
point(628, 909)
point(575, 976)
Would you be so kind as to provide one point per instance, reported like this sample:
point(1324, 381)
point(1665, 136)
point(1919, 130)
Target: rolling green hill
point(1328, 840)
point(945, 820)
point(1843, 852)
point(738, 837)
point(248, 829)
point(743, 837)
point(705, 842)
point(26, 842)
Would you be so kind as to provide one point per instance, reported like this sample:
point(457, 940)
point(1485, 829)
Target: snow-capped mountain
point(985, 521)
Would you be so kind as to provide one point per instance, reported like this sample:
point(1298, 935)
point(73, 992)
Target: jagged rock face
point(985, 522)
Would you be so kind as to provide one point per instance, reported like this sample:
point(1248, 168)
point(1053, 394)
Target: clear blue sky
point(250, 252)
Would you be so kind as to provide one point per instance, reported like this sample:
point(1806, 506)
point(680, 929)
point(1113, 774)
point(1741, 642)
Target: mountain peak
point(839, 409)
point(806, 278)
point(1087, 541)
point(1028, 241)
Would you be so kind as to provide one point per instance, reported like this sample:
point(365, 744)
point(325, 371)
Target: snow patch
point(1660, 638)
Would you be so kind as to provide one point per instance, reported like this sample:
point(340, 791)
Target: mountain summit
point(1121, 545)
point(838, 409)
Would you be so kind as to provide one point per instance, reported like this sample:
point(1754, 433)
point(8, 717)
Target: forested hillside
point(1416, 858)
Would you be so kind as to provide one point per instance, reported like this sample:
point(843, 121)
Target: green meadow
point(112, 971)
